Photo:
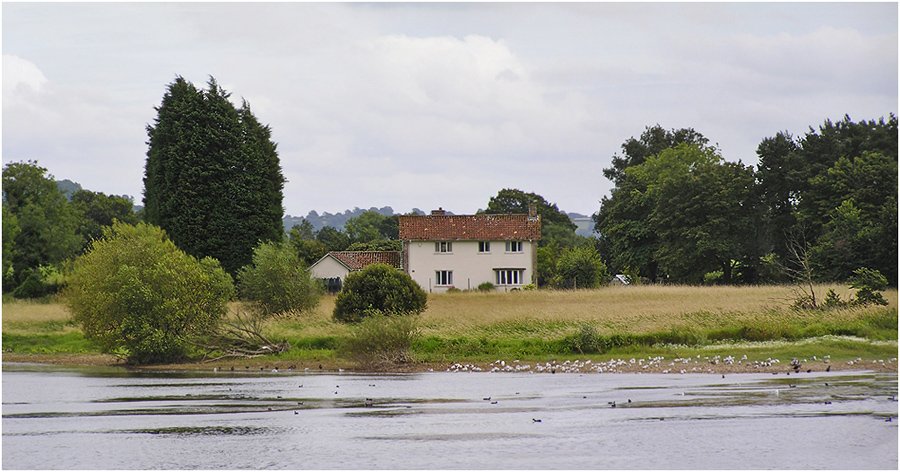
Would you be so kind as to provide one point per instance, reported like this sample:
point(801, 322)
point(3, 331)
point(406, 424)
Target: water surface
point(109, 418)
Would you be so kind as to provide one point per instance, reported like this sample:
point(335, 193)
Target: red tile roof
point(481, 227)
point(358, 260)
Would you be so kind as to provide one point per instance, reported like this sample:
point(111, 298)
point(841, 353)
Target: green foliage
point(378, 288)
point(213, 178)
point(486, 287)
point(868, 284)
point(652, 141)
point(41, 220)
point(833, 300)
point(96, 210)
point(377, 245)
point(678, 209)
point(556, 226)
point(581, 267)
point(277, 282)
point(134, 293)
point(333, 239)
point(10, 231)
point(40, 282)
point(839, 182)
point(371, 226)
point(856, 206)
point(379, 340)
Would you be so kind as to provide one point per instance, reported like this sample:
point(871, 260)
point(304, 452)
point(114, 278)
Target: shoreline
point(634, 364)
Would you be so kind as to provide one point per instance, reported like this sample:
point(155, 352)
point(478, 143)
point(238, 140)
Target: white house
point(441, 251)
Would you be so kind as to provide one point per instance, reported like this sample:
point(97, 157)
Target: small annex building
point(334, 267)
point(442, 251)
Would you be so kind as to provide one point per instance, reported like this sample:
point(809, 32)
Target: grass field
point(651, 320)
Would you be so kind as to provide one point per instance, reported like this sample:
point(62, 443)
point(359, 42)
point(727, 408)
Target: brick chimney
point(532, 211)
point(438, 212)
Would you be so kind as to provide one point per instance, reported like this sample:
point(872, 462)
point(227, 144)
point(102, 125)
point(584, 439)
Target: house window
point(510, 276)
point(484, 246)
point(443, 246)
point(443, 277)
point(514, 246)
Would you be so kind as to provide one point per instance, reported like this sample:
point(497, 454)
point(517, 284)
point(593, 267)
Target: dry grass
point(29, 317)
point(624, 309)
point(541, 313)
point(24, 311)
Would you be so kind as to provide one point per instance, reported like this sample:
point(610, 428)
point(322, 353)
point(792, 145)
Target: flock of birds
point(682, 365)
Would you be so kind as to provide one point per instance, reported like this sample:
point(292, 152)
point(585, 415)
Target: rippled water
point(58, 418)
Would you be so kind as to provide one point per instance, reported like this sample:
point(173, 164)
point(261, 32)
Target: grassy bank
point(544, 326)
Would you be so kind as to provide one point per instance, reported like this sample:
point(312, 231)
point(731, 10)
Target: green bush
point(833, 300)
point(135, 294)
point(580, 267)
point(378, 289)
point(586, 340)
point(380, 340)
point(277, 282)
point(868, 283)
point(40, 282)
point(486, 287)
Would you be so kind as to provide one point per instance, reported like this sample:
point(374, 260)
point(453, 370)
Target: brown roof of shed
point(481, 227)
point(358, 260)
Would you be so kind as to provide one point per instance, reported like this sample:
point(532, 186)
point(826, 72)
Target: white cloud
point(77, 133)
point(18, 72)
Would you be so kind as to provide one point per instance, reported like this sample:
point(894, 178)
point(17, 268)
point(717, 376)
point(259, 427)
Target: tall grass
point(545, 322)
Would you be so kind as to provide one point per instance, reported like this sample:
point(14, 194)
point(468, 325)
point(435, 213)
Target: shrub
point(581, 267)
point(486, 287)
point(833, 300)
point(277, 282)
point(40, 282)
point(868, 284)
point(586, 340)
point(382, 340)
point(135, 294)
point(379, 288)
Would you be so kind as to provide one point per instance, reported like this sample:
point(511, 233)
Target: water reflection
point(68, 418)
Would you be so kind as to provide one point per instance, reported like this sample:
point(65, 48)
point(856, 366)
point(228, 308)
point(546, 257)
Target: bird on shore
point(535, 420)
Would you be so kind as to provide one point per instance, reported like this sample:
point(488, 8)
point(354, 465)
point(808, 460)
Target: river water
point(109, 418)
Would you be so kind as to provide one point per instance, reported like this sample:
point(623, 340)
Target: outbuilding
point(334, 267)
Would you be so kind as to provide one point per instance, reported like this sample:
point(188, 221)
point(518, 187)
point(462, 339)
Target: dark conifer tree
point(212, 178)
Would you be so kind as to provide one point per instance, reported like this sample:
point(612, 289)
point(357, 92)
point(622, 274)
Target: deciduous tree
point(137, 295)
point(46, 224)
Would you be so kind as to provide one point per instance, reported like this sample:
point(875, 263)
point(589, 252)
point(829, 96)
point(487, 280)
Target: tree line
point(827, 200)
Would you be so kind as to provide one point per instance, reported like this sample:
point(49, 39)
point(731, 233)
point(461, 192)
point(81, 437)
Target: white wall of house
point(467, 266)
point(329, 268)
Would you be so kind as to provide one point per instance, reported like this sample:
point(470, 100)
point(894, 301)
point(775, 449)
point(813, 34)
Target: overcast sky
point(421, 105)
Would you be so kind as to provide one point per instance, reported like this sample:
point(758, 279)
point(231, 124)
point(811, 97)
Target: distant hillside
point(336, 220)
point(585, 223)
point(68, 187)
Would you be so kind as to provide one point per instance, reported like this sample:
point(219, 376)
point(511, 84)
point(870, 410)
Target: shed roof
point(358, 260)
point(481, 227)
